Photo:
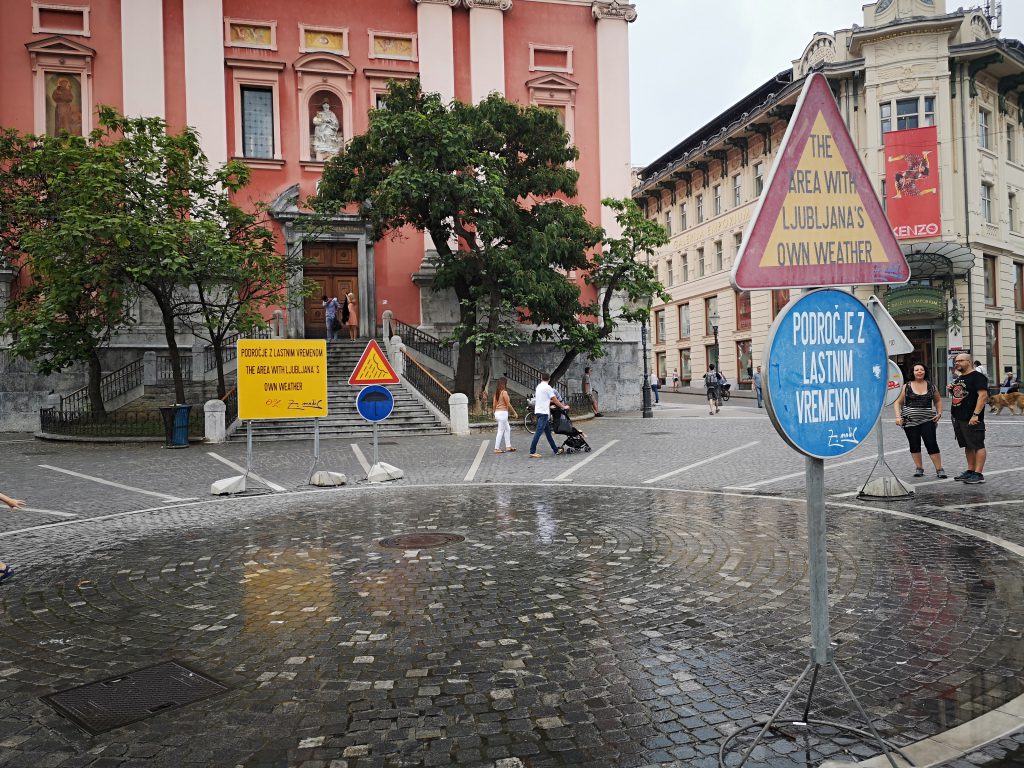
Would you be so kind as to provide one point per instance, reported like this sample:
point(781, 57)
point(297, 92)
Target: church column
point(205, 100)
point(613, 101)
point(142, 57)
point(487, 46)
point(436, 46)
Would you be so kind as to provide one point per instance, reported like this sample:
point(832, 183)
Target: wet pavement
point(628, 607)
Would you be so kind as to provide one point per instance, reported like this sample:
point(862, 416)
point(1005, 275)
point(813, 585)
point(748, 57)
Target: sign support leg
point(316, 451)
point(821, 647)
point(376, 458)
point(887, 486)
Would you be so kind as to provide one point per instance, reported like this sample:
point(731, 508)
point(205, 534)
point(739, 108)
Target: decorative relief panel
point(328, 39)
point(241, 33)
point(393, 45)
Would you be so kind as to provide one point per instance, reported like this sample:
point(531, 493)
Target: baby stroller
point(575, 441)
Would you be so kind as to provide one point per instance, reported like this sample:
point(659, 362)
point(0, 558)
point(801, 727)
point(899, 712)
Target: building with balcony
point(909, 65)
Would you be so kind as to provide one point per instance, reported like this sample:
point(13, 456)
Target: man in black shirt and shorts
point(969, 391)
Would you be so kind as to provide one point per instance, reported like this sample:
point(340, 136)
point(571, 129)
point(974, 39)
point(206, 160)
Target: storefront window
point(992, 350)
point(743, 310)
point(744, 361)
point(780, 298)
point(685, 373)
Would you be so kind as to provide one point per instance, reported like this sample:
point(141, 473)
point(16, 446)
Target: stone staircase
point(410, 416)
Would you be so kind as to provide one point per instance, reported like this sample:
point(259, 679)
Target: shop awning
point(928, 260)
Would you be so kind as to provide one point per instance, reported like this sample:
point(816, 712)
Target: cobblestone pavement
point(627, 607)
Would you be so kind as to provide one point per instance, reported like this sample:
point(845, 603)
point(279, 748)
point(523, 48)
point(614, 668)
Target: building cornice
point(949, 24)
point(613, 9)
point(450, 3)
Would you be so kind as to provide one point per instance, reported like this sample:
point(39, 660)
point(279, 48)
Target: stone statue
point(326, 133)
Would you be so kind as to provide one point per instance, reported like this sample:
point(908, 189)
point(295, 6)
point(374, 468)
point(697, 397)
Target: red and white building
point(250, 75)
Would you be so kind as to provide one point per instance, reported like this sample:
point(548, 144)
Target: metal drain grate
point(421, 540)
point(117, 701)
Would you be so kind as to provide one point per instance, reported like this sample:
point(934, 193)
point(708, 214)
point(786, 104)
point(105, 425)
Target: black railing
point(114, 384)
point(520, 372)
point(428, 386)
point(230, 407)
point(229, 348)
point(423, 343)
point(165, 373)
point(85, 423)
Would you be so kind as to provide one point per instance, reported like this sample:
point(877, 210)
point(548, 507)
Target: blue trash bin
point(176, 425)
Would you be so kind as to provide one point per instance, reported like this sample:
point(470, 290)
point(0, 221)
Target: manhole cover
point(117, 701)
point(421, 540)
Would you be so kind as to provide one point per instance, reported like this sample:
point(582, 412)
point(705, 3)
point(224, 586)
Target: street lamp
point(713, 319)
point(646, 410)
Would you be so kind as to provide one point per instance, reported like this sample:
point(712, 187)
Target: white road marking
point(164, 496)
point(476, 462)
point(700, 463)
point(362, 459)
point(987, 475)
point(957, 507)
point(790, 476)
point(241, 469)
point(47, 512)
point(589, 458)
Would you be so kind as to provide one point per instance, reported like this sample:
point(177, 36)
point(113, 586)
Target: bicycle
point(530, 418)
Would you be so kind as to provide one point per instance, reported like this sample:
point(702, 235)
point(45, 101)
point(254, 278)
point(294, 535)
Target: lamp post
point(713, 318)
point(646, 410)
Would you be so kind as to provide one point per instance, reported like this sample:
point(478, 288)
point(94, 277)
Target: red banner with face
point(912, 183)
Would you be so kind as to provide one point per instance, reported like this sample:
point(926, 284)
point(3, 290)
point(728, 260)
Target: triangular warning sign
point(373, 368)
point(819, 222)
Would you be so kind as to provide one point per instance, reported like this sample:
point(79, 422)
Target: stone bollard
point(216, 431)
point(149, 368)
point(277, 325)
point(397, 354)
point(458, 405)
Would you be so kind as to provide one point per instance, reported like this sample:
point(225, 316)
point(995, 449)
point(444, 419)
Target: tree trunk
point(218, 353)
point(172, 347)
point(483, 401)
point(95, 394)
point(465, 366)
point(563, 366)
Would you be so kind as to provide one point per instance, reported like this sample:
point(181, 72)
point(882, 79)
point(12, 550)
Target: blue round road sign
point(375, 403)
point(827, 373)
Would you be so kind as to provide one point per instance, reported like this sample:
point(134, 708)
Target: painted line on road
point(958, 507)
point(164, 496)
point(987, 475)
point(589, 458)
point(253, 475)
point(47, 512)
point(790, 476)
point(701, 463)
point(361, 459)
point(476, 462)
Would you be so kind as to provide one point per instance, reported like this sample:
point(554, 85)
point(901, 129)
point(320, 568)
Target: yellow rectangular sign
point(282, 378)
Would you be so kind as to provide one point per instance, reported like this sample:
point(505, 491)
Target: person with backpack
point(711, 384)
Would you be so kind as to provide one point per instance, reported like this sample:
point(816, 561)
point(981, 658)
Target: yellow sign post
point(282, 378)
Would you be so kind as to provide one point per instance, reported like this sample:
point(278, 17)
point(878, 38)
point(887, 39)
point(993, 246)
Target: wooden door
point(333, 268)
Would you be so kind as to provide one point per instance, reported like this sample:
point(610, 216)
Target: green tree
point(485, 182)
point(60, 228)
point(625, 287)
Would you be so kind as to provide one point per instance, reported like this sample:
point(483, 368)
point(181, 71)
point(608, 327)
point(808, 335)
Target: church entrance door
point(334, 269)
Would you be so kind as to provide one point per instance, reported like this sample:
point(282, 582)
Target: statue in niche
point(326, 133)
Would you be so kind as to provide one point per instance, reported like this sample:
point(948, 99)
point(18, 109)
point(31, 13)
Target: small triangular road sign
point(819, 222)
point(896, 341)
point(373, 368)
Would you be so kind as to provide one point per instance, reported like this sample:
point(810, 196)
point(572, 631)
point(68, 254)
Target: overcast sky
point(692, 59)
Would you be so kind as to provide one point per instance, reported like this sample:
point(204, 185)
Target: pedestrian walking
point(331, 317)
point(502, 409)
point(969, 392)
point(711, 385)
point(5, 570)
point(353, 317)
point(655, 382)
point(589, 392)
point(918, 409)
point(544, 398)
point(675, 380)
point(758, 387)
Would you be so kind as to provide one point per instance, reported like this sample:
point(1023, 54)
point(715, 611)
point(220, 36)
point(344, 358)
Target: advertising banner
point(912, 183)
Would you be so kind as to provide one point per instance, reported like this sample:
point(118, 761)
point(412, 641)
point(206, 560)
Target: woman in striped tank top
point(918, 410)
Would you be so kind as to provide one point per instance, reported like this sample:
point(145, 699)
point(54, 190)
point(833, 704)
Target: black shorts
point(713, 393)
point(971, 438)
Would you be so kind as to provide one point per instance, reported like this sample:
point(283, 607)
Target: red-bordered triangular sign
point(819, 222)
point(373, 368)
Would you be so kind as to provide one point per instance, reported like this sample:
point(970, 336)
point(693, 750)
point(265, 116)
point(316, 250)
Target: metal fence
point(85, 423)
point(230, 407)
point(229, 348)
point(520, 372)
point(428, 386)
point(423, 343)
point(114, 384)
point(165, 373)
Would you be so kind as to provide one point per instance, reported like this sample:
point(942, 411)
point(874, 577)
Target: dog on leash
point(1013, 400)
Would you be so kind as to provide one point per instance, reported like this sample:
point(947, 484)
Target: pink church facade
point(279, 84)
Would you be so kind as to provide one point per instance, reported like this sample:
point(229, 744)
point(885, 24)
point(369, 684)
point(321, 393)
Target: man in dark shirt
point(969, 391)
